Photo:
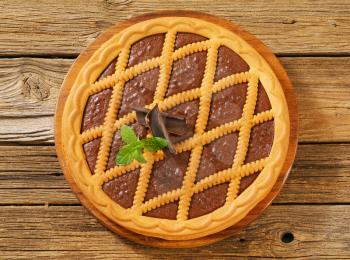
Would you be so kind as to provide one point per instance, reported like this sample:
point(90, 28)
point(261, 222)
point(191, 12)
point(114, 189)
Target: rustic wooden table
point(39, 215)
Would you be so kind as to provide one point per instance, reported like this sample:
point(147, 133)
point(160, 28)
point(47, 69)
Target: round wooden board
point(259, 208)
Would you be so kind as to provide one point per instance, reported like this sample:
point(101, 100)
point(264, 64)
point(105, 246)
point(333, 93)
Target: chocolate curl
point(174, 124)
point(155, 121)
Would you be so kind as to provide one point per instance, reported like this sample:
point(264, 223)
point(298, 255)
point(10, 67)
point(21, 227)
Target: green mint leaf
point(153, 144)
point(132, 150)
point(128, 135)
point(139, 157)
point(128, 153)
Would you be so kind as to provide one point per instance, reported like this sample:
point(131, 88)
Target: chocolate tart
point(239, 140)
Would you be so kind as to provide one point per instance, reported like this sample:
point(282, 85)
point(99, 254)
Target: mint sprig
point(133, 148)
point(128, 135)
point(153, 144)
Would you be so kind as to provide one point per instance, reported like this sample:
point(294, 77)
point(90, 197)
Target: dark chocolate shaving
point(154, 120)
point(174, 124)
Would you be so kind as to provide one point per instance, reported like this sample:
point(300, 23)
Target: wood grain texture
point(66, 27)
point(69, 231)
point(31, 175)
point(323, 95)
point(36, 196)
point(28, 95)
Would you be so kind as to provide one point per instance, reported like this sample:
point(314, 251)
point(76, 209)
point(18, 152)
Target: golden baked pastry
point(234, 147)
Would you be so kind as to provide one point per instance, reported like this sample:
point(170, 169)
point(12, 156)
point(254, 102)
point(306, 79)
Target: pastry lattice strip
point(162, 84)
point(125, 74)
point(210, 181)
point(194, 144)
point(244, 135)
point(187, 145)
point(168, 103)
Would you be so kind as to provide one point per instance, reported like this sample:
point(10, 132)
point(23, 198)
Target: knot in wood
point(34, 87)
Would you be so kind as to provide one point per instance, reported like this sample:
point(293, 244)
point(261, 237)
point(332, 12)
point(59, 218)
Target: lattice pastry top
point(236, 140)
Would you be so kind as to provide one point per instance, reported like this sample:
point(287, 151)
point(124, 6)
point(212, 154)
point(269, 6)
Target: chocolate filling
point(246, 181)
point(208, 200)
point(262, 102)
point(260, 143)
point(183, 39)
point(188, 110)
point(168, 211)
point(122, 189)
point(91, 150)
point(168, 174)
point(227, 105)
point(217, 156)
point(187, 73)
point(139, 91)
point(229, 63)
point(146, 48)
point(95, 109)
point(109, 70)
point(97, 104)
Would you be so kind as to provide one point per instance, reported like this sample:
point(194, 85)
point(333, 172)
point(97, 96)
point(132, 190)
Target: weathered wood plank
point(31, 175)
point(27, 107)
point(30, 167)
point(114, 255)
point(37, 196)
point(28, 95)
point(66, 27)
point(320, 174)
point(72, 230)
point(323, 94)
